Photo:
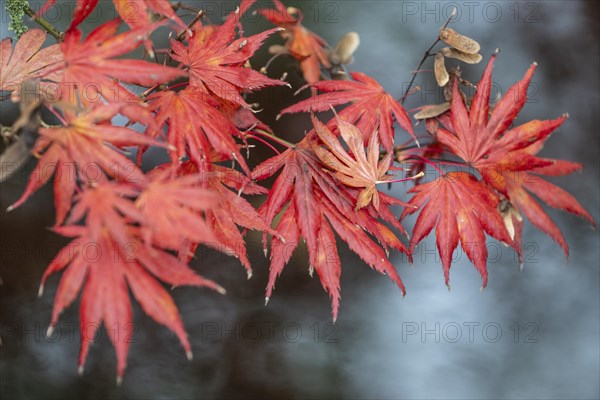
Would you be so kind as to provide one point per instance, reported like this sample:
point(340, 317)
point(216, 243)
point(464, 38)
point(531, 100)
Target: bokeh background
point(530, 334)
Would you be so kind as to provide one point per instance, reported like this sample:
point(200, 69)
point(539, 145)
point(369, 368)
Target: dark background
point(530, 334)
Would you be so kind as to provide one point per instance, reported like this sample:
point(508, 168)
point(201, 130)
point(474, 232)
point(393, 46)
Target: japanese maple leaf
point(461, 208)
point(104, 259)
point(505, 156)
point(371, 108)
point(359, 170)
point(91, 67)
point(180, 199)
point(78, 153)
point(313, 204)
point(28, 60)
point(234, 210)
point(216, 61)
point(195, 126)
point(301, 43)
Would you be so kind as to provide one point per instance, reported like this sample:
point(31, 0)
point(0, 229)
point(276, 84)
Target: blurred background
point(530, 334)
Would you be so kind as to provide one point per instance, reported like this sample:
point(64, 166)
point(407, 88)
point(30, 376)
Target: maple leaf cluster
point(136, 230)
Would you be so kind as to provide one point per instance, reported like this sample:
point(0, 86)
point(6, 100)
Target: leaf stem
point(44, 24)
point(274, 138)
point(250, 136)
point(426, 161)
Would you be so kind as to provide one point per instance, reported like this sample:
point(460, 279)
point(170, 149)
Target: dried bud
point(459, 55)
point(458, 41)
point(345, 48)
point(439, 69)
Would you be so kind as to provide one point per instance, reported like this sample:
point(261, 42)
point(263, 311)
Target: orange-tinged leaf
point(302, 44)
point(28, 60)
point(362, 169)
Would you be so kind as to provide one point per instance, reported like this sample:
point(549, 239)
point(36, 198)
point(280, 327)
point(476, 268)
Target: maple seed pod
point(459, 55)
point(439, 69)
point(344, 49)
point(458, 41)
point(432, 110)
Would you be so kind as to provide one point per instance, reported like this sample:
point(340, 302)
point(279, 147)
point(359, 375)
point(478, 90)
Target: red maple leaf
point(216, 59)
point(234, 210)
point(181, 200)
point(313, 203)
point(106, 257)
point(301, 43)
point(90, 69)
point(506, 156)
point(372, 109)
point(195, 126)
point(461, 208)
point(78, 153)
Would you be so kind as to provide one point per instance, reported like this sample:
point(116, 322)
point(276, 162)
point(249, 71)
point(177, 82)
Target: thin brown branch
point(48, 27)
point(425, 56)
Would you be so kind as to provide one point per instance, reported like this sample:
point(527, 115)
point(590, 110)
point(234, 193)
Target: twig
point(44, 24)
point(197, 18)
point(425, 56)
